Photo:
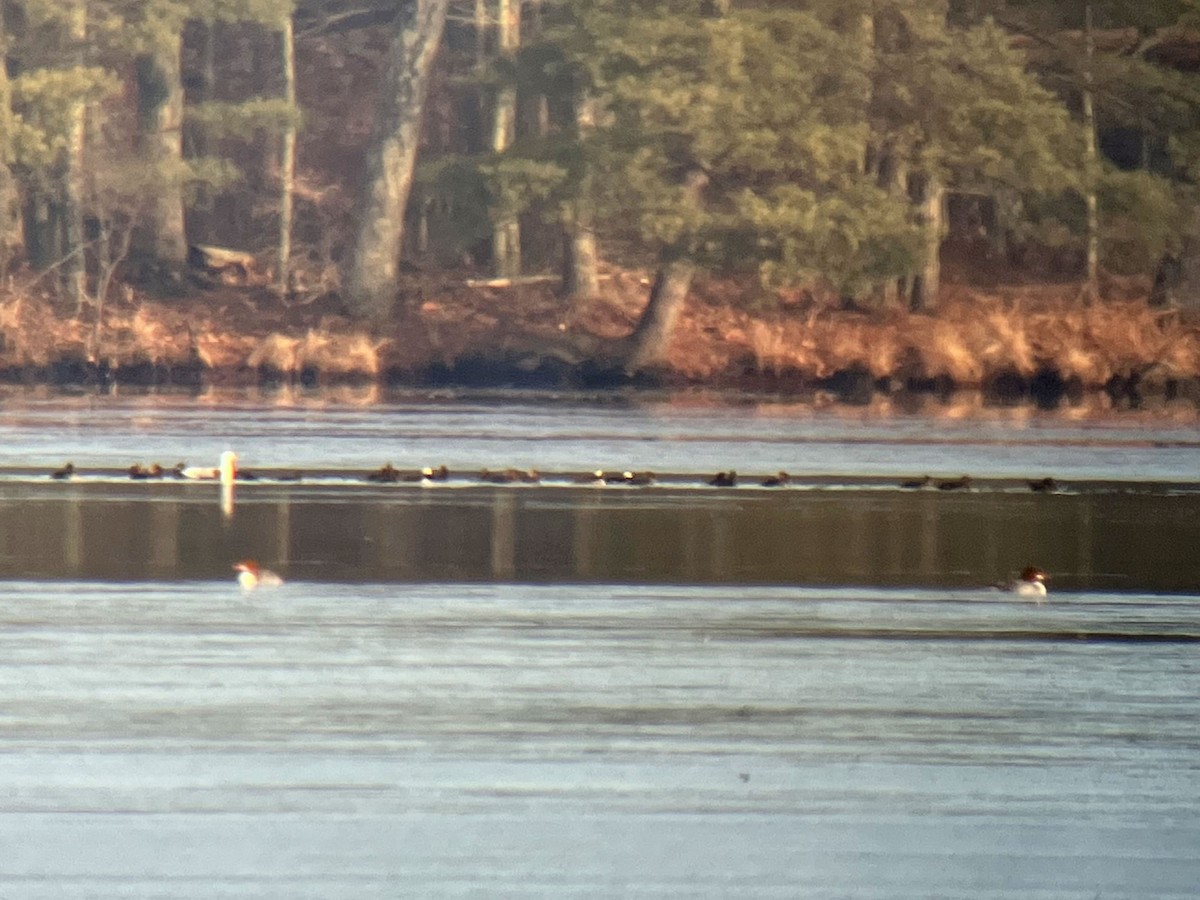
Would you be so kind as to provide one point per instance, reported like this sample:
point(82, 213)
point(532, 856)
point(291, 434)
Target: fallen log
point(228, 265)
point(511, 282)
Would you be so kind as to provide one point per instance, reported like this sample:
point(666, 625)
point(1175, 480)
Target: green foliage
point(778, 104)
point(853, 237)
point(515, 184)
point(44, 103)
point(266, 12)
point(205, 175)
point(1144, 217)
point(246, 119)
point(990, 122)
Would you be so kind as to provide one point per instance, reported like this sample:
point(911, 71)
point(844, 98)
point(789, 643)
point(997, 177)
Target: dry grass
point(974, 336)
point(970, 340)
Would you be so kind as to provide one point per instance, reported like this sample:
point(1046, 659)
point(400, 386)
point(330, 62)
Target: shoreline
point(1016, 343)
point(1045, 388)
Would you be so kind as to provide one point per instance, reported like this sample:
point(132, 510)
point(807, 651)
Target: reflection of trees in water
point(869, 537)
point(504, 536)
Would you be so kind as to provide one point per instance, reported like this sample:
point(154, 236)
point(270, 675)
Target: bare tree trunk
point(882, 158)
point(199, 222)
point(581, 275)
point(506, 232)
point(373, 267)
point(74, 264)
point(648, 344)
point(1090, 163)
point(287, 162)
point(930, 198)
point(8, 192)
point(160, 140)
point(891, 175)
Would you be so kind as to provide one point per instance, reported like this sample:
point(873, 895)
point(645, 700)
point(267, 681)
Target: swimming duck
point(138, 472)
point(1044, 486)
point(724, 479)
point(633, 479)
point(385, 474)
point(955, 484)
point(780, 479)
point(428, 475)
point(914, 484)
point(251, 575)
point(1030, 583)
point(67, 471)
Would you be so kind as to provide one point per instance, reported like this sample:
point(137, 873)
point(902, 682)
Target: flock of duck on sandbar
point(228, 471)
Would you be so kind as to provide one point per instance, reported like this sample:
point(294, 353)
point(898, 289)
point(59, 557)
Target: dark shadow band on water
point(1141, 538)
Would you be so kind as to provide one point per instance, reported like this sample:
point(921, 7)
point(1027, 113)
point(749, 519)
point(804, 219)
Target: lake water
point(551, 690)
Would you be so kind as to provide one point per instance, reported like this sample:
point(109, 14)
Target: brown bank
point(1032, 340)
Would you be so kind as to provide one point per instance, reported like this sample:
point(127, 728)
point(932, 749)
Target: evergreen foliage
point(817, 125)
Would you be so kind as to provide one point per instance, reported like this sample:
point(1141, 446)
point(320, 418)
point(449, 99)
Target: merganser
point(251, 575)
point(225, 472)
point(955, 484)
point(1031, 583)
point(138, 472)
point(596, 478)
point(67, 471)
point(778, 480)
point(916, 483)
point(724, 479)
point(1044, 486)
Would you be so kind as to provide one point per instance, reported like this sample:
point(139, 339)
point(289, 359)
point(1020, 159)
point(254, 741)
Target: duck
point(138, 472)
point(633, 479)
point(251, 575)
point(915, 484)
point(596, 478)
point(435, 473)
point(724, 479)
point(1030, 583)
point(427, 475)
point(385, 474)
point(66, 472)
point(1044, 486)
point(225, 471)
point(955, 484)
point(779, 479)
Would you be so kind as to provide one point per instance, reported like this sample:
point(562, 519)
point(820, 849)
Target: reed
point(970, 342)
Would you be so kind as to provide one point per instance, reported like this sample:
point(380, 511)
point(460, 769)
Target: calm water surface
point(475, 691)
point(689, 433)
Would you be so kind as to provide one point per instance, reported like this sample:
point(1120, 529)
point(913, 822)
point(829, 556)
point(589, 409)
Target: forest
point(886, 193)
